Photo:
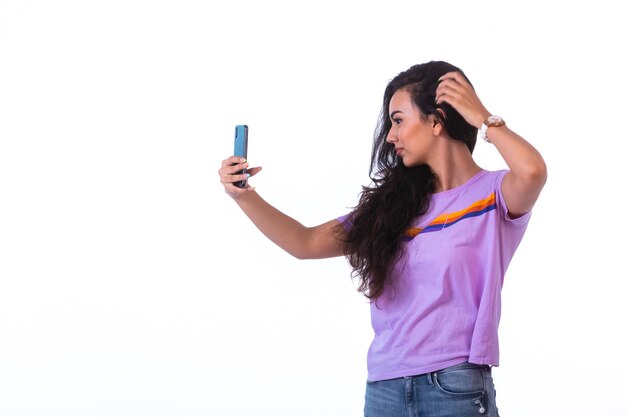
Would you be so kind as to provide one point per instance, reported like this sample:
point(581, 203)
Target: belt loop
point(430, 377)
point(408, 389)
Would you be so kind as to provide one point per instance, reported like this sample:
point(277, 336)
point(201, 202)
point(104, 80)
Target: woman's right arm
point(296, 239)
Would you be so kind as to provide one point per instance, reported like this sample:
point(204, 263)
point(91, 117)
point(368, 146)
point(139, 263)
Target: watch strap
point(492, 121)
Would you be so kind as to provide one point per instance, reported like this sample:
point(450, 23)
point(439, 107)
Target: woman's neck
point(453, 165)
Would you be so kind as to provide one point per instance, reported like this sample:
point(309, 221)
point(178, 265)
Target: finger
point(448, 95)
point(232, 169)
point(254, 171)
point(454, 85)
point(457, 96)
point(229, 179)
point(451, 85)
point(450, 88)
point(456, 76)
point(454, 91)
point(449, 76)
point(233, 160)
point(453, 101)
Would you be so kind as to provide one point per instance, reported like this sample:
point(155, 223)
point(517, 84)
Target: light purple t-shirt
point(446, 306)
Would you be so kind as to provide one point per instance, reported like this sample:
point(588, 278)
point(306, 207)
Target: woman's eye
point(397, 121)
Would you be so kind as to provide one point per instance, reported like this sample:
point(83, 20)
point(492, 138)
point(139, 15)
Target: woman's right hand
point(228, 175)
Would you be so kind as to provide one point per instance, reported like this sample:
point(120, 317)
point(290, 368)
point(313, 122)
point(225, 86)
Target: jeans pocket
point(465, 381)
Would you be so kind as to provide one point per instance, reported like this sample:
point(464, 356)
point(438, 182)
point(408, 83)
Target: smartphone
point(241, 149)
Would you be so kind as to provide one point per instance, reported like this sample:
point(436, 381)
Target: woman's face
point(412, 137)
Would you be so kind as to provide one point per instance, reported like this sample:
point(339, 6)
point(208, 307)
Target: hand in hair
point(455, 90)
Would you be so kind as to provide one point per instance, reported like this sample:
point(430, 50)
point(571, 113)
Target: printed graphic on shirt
point(446, 220)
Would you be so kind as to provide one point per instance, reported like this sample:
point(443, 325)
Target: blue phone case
point(241, 149)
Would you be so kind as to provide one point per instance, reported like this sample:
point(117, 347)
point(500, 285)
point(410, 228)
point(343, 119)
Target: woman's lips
point(398, 151)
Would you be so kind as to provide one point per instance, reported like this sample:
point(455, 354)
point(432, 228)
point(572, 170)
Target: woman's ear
point(437, 122)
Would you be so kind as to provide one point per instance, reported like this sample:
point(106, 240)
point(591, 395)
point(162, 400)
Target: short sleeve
point(521, 221)
point(345, 221)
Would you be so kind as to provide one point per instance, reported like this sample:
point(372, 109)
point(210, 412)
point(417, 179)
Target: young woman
point(430, 240)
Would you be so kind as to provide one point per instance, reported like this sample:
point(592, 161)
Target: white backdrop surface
point(130, 284)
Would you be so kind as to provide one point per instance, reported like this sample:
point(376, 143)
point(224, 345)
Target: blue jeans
point(462, 390)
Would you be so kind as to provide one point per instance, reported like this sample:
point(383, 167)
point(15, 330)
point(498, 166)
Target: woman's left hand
point(455, 90)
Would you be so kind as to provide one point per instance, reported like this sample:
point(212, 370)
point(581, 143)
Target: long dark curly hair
point(397, 194)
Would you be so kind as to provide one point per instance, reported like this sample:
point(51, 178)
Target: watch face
point(495, 121)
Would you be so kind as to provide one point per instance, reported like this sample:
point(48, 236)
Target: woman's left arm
point(528, 173)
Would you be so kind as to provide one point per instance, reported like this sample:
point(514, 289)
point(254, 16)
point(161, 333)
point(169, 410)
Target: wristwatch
point(492, 121)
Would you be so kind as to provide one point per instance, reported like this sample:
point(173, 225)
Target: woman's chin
point(409, 163)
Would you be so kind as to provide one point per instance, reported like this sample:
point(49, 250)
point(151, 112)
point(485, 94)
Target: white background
point(131, 285)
